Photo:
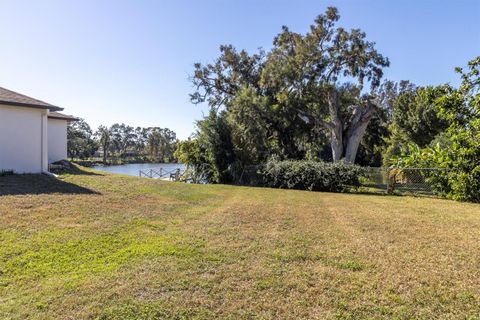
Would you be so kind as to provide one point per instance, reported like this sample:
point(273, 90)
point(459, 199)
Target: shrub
point(312, 175)
point(466, 186)
point(461, 178)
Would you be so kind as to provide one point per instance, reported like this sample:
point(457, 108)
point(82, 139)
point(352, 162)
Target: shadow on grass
point(23, 184)
point(76, 170)
point(396, 193)
point(364, 191)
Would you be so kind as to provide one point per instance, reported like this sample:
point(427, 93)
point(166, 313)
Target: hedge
point(312, 175)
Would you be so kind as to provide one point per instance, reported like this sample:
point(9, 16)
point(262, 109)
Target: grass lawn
point(116, 247)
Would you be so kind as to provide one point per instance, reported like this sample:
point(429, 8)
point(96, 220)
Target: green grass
point(101, 246)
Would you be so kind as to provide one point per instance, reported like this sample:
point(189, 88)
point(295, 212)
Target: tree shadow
point(24, 184)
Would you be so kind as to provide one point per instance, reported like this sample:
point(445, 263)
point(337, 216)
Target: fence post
point(390, 183)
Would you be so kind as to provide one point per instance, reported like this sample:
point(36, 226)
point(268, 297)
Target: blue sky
point(128, 61)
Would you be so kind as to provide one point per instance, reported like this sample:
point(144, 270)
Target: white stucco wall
point(21, 139)
point(57, 140)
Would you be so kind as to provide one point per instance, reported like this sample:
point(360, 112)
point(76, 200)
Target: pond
point(132, 169)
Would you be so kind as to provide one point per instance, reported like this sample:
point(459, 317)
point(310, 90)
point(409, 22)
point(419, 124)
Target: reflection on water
point(133, 169)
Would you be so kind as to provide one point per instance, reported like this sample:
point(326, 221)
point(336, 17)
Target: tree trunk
point(336, 125)
point(359, 121)
point(354, 138)
point(336, 143)
point(104, 154)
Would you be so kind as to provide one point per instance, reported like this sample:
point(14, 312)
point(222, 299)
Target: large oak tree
point(304, 85)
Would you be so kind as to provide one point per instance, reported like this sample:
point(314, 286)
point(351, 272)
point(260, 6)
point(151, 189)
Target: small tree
point(80, 141)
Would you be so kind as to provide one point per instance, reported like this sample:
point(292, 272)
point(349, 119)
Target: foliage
point(289, 102)
point(431, 157)
point(416, 119)
point(304, 100)
point(374, 141)
point(104, 137)
point(210, 152)
point(249, 127)
point(161, 144)
point(458, 148)
point(123, 141)
point(189, 153)
point(120, 143)
point(215, 142)
point(415, 114)
point(312, 175)
point(80, 142)
point(122, 138)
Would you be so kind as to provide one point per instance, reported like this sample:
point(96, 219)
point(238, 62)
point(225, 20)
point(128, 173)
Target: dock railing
point(174, 175)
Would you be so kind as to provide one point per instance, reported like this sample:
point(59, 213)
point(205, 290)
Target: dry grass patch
point(141, 249)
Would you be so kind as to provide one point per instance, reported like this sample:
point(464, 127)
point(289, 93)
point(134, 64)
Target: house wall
point(57, 140)
point(21, 146)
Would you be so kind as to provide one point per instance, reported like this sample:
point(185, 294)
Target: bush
point(466, 186)
point(461, 180)
point(312, 175)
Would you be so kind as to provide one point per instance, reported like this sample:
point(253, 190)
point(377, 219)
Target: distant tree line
point(320, 96)
point(121, 142)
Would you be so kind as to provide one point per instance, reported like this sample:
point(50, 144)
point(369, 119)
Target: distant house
point(33, 133)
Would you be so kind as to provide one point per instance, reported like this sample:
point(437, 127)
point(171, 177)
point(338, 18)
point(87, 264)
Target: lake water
point(133, 169)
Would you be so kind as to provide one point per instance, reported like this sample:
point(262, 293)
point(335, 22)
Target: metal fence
point(418, 181)
point(412, 181)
